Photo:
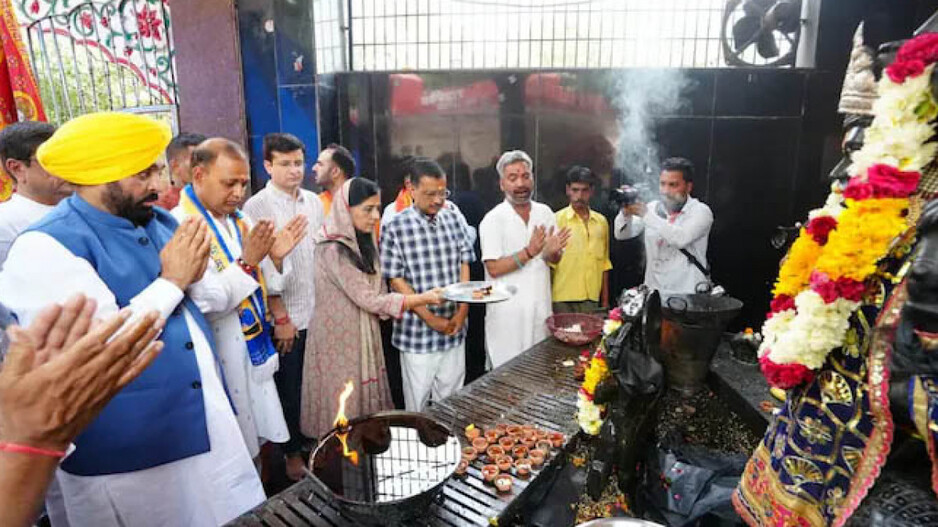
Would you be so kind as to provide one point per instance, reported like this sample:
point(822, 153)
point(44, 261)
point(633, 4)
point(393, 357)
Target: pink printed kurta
point(344, 340)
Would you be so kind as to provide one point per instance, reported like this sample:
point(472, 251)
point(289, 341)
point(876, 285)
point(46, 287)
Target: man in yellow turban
point(167, 450)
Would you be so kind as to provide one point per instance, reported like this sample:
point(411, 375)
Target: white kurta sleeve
point(490, 238)
point(40, 271)
point(626, 227)
point(220, 292)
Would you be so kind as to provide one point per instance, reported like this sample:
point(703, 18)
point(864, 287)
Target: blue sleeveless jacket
point(160, 416)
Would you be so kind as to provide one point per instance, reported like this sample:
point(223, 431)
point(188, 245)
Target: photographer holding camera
point(676, 230)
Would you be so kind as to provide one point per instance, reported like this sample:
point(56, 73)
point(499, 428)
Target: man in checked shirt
point(281, 200)
point(423, 247)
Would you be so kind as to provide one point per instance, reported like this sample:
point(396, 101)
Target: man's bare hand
point(284, 335)
point(556, 242)
point(537, 241)
point(635, 209)
point(184, 258)
point(59, 374)
point(288, 237)
point(440, 324)
point(257, 243)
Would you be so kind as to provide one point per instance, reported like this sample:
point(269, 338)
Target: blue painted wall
point(279, 84)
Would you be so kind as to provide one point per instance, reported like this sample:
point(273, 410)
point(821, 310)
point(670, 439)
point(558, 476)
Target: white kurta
point(517, 324)
point(255, 398)
point(204, 490)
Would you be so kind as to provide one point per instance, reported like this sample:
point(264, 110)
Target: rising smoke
point(639, 96)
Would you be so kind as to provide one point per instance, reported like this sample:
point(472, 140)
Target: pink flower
point(86, 19)
point(923, 47)
point(34, 7)
point(831, 290)
point(149, 24)
point(819, 228)
point(890, 182)
point(784, 376)
point(616, 314)
point(858, 190)
point(824, 286)
point(850, 289)
point(781, 303)
point(899, 71)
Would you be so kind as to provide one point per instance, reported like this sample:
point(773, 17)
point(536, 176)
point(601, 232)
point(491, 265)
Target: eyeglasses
point(436, 193)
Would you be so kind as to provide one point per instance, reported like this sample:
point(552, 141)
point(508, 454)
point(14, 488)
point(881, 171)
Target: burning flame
point(341, 422)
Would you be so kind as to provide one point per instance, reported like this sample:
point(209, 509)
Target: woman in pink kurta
point(344, 342)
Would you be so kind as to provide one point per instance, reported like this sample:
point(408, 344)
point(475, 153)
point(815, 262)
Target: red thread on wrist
point(246, 267)
point(528, 254)
point(26, 449)
point(281, 321)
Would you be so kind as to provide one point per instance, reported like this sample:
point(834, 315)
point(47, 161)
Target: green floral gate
point(101, 55)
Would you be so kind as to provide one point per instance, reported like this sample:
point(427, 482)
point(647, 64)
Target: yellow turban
point(100, 148)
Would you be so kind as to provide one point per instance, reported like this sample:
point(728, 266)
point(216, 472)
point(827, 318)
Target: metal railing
point(116, 55)
point(394, 35)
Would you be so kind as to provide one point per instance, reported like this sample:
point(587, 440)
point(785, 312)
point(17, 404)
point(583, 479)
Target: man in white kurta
point(206, 489)
point(519, 239)
point(220, 175)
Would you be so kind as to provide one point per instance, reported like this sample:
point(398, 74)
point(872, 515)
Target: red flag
point(19, 94)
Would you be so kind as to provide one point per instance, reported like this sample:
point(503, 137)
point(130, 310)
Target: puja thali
point(480, 292)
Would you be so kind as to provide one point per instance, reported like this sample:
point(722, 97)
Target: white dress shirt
point(667, 269)
point(204, 490)
point(299, 290)
point(516, 324)
point(16, 214)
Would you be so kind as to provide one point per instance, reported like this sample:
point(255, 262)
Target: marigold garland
point(825, 276)
point(589, 415)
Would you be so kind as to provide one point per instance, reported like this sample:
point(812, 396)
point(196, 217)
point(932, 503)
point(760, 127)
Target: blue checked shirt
point(426, 254)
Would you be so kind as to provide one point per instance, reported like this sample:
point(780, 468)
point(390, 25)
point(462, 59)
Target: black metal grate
point(394, 35)
point(533, 388)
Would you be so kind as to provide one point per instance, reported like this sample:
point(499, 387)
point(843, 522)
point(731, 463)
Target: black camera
point(625, 195)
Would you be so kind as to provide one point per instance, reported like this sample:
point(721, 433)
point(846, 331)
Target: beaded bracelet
point(246, 267)
point(25, 449)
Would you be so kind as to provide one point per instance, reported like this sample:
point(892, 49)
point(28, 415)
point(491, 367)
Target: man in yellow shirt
point(581, 278)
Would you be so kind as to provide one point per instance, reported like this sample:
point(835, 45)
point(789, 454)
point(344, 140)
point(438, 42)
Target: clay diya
point(536, 457)
point(480, 444)
point(523, 467)
point(527, 428)
point(519, 451)
point(506, 442)
point(540, 433)
point(469, 453)
point(556, 439)
point(462, 467)
point(528, 434)
point(472, 432)
point(530, 443)
point(494, 451)
point(513, 430)
point(544, 446)
point(489, 472)
point(503, 483)
point(503, 463)
point(491, 435)
point(502, 428)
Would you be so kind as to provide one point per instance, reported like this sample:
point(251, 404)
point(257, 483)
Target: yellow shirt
point(579, 274)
